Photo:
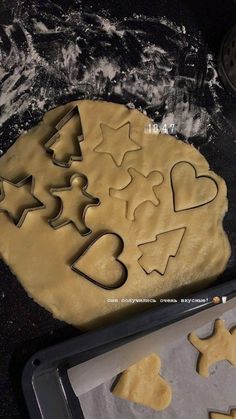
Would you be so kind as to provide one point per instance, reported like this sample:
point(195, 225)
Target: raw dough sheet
point(193, 396)
point(182, 200)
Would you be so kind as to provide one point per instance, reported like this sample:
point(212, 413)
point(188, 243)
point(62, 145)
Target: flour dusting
point(164, 69)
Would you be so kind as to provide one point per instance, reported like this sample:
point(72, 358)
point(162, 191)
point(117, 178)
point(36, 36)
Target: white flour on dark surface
point(161, 60)
point(152, 64)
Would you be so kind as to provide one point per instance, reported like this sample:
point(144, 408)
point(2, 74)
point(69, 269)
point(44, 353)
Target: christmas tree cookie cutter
point(115, 256)
point(19, 220)
point(78, 184)
point(54, 138)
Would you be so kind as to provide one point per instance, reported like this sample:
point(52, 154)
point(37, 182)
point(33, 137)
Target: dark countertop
point(159, 56)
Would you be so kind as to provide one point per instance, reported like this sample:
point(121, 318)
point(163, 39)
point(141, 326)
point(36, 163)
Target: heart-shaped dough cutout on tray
point(142, 383)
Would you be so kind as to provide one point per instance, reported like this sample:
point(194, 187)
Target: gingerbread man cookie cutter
point(19, 220)
point(89, 201)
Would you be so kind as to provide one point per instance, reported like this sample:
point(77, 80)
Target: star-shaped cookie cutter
point(18, 221)
point(52, 140)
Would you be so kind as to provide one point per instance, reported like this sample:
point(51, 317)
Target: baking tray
point(46, 386)
point(45, 381)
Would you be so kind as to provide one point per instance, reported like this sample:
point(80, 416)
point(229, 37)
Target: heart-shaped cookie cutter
point(118, 251)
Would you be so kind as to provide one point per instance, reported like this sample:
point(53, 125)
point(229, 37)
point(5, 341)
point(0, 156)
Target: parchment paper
point(193, 396)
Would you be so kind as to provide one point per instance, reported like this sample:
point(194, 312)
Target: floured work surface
point(94, 209)
point(193, 396)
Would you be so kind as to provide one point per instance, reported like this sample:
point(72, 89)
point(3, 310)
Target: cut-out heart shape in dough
point(189, 190)
point(141, 383)
point(100, 263)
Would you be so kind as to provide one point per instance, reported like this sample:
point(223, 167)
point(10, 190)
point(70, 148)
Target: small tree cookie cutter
point(52, 140)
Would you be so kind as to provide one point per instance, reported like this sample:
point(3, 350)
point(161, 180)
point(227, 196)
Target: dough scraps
point(218, 347)
point(176, 197)
point(231, 415)
point(141, 383)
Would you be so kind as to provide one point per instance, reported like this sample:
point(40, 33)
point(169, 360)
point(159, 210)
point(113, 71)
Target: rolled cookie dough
point(153, 195)
point(141, 383)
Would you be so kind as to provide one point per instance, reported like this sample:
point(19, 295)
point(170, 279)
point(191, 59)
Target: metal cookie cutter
point(52, 140)
point(227, 61)
point(20, 218)
point(117, 252)
point(88, 200)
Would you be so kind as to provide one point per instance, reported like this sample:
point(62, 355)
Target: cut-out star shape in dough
point(74, 203)
point(17, 199)
point(116, 142)
point(231, 415)
point(140, 189)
